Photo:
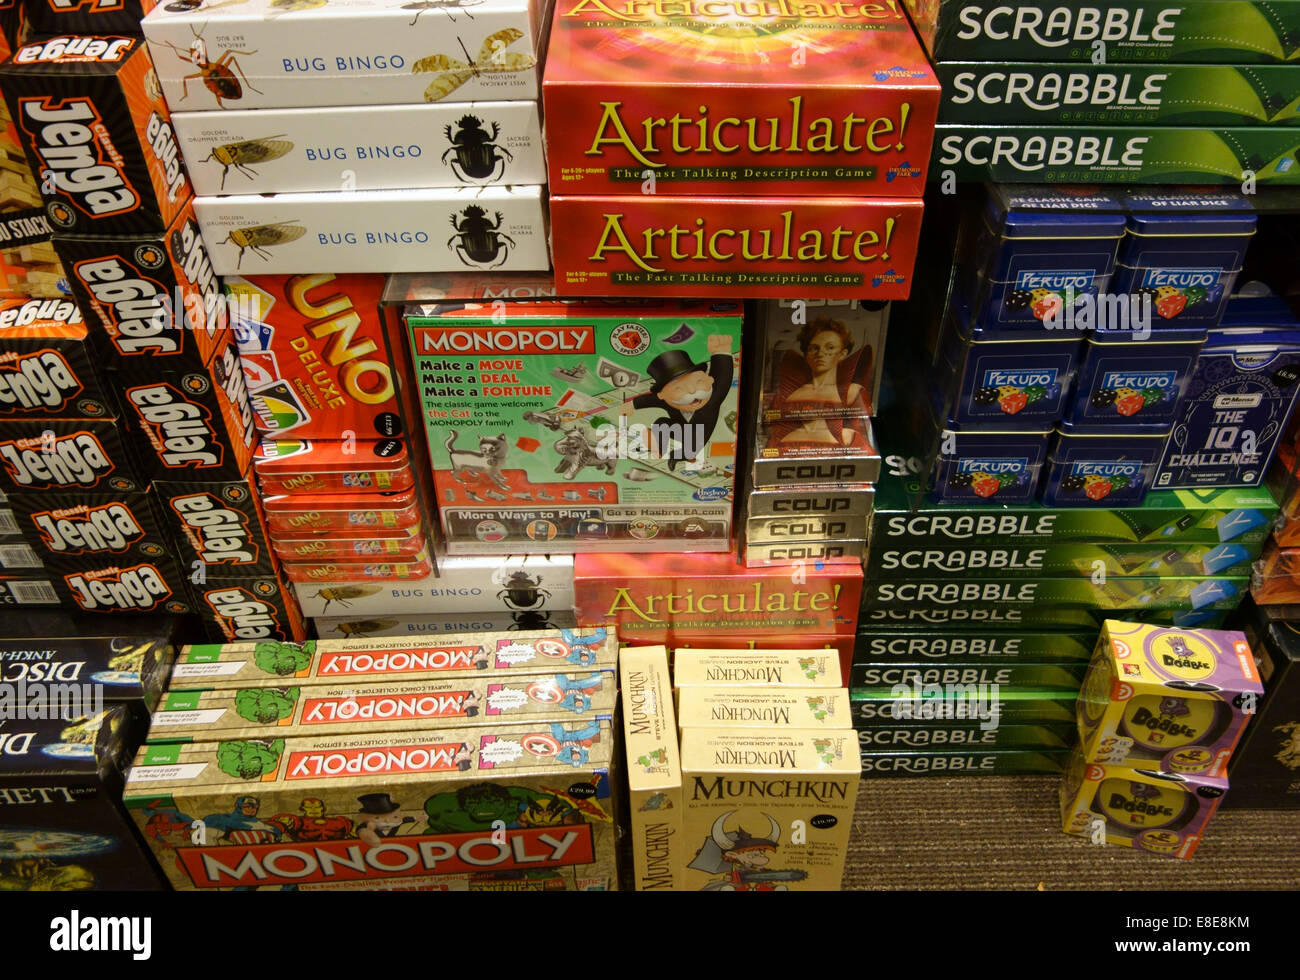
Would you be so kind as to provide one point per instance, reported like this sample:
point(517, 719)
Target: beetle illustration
point(446, 6)
point(221, 77)
point(533, 619)
point(477, 155)
point(478, 240)
point(522, 593)
point(239, 155)
point(364, 627)
point(342, 594)
point(492, 59)
point(260, 237)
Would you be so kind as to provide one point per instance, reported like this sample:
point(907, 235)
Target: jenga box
point(654, 772)
point(246, 609)
point(48, 365)
point(509, 807)
point(73, 455)
point(92, 120)
point(217, 527)
point(47, 17)
point(126, 585)
point(68, 532)
point(28, 266)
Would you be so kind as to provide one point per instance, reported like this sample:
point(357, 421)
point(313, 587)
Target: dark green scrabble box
point(900, 645)
point(1034, 560)
point(944, 737)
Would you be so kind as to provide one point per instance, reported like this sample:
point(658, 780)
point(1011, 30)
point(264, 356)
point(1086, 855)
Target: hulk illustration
point(283, 658)
point(266, 705)
point(478, 806)
point(249, 758)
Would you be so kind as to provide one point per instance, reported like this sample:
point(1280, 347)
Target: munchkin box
point(550, 422)
point(1169, 699)
point(654, 772)
point(796, 98)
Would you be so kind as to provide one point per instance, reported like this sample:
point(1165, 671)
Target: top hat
point(378, 803)
point(672, 364)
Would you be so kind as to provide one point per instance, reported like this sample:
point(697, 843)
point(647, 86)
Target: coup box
point(826, 500)
point(217, 527)
point(91, 117)
point(62, 826)
point(332, 627)
point(74, 455)
point(743, 792)
point(375, 231)
point(735, 102)
point(695, 667)
point(654, 770)
point(763, 707)
point(738, 247)
point(384, 811)
point(48, 366)
point(812, 451)
point(277, 150)
point(317, 358)
point(246, 609)
point(666, 597)
point(1060, 560)
point(258, 55)
point(1169, 699)
point(271, 664)
point(1233, 31)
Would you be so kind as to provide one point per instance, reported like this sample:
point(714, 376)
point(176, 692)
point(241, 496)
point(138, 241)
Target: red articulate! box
point(735, 96)
point(655, 245)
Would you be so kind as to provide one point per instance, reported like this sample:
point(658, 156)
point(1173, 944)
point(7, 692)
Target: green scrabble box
point(948, 737)
point(986, 707)
point(882, 679)
point(973, 614)
point(1091, 561)
point(906, 646)
point(998, 763)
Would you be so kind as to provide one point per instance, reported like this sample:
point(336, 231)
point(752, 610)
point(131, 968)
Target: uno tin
point(1102, 469)
point(1184, 251)
point(1125, 381)
point(294, 466)
point(343, 512)
point(976, 466)
point(1046, 249)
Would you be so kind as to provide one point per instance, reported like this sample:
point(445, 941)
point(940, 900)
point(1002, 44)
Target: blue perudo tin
point(1238, 401)
point(1021, 381)
point(975, 466)
point(1184, 250)
point(1129, 379)
point(1102, 469)
point(1040, 250)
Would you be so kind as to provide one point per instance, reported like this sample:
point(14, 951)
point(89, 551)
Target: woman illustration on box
point(823, 380)
point(820, 432)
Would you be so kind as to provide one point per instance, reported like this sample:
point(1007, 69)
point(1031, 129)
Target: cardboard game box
point(248, 609)
point(48, 364)
point(218, 527)
point(1265, 768)
point(84, 528)
point(654, 771)
point(336, 627)
point(763, 707)
point(556, 426)
point(695, 667)
point(69, 455)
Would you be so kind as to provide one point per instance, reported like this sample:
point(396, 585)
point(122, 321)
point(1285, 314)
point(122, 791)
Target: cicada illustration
point(446, 6)
point(260, 237)
point(297, 4)
point(343, 594)
point(364, 627)
point(492, 59)
point(240, 155)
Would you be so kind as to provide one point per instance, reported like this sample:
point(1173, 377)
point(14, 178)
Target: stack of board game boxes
point(360, 136)
point(1139, 91)
point(728, 150)
point(1159, 716)
point(476, 762)
point(759, 794)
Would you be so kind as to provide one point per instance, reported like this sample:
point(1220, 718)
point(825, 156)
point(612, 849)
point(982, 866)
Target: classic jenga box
point(79, 17)
point(48, 366)
point(28, 266)
point(510, 807)
point(71, 455)
point(654, 772)
point(763, 707)
point(767, 811)
point(128, 584)
point(272, 664)
point(91, 117)
point(217, 526)
point(66, 533)
point(756, 668)
point(247, 609)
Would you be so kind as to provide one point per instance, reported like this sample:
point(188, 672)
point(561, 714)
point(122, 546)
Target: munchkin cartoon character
point(741, 857)
point(691, 394)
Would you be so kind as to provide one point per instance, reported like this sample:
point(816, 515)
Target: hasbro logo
point(711, 493)
point(1140, 381)
point(1021, 379)
point(1059, 280)
point(993, 464)
point(1181, 278)
point(1112, 467)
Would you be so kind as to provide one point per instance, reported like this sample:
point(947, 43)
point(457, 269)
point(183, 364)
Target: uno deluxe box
point(86, 528)
point(62, 825)
point(735, 101)
point(1169, 699)
point(404, 810)
point(68, 454)
point(316, 357)
point(91, 116)
point(1226, 31)
point(738, 247)
point(438, 229)
point(273, 664)
point(555, 426)
point(218, 527)
point(669, 597)
point(273, 151)
point(262, 55)
point(238, 610)
point(48, 365)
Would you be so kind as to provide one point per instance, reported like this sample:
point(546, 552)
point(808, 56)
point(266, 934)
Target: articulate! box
point(93, 122)
point(272, 151)
point(708, 97)
point(268, 54)
point(654, 771)
point(739, 247)
point(48, 366)
point(767, 811)
point(510, 807)
point(619, 422)
point(1169, 699)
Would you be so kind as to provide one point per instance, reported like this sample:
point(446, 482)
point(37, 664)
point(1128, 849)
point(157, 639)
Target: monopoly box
point(48, 365)
point(351, 52)
point(814, 101)
point(654, 770)
point(335, 627)
point(270, 664)
point(549, 422)
point(248, 609)
point(736, 247)
point(217, 527)
point(405, 810)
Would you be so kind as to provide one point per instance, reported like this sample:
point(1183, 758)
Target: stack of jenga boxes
point(1159, 715)
point(749, 781)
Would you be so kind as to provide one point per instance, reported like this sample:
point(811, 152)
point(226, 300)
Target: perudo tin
point(974, 466)
point(1170, 699)
point(1102, 469)
point(1126, 380)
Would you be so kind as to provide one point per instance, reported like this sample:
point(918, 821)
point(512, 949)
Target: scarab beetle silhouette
point(479, 240)
point(477, 156)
